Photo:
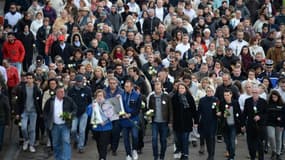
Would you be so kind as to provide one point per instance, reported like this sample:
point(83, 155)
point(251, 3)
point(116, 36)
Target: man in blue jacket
point(130, 119)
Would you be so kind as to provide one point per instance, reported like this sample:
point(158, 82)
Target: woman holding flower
point(101, 127)
point(231, 118)
point(208, 111)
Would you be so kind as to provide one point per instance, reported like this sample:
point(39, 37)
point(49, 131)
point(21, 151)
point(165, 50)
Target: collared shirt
point(58, 110)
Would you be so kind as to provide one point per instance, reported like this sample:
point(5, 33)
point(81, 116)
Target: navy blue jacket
point(207, 116)
point(132, 104)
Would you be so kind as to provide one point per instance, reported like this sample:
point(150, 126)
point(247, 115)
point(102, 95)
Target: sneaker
point(135, 155)
point(37, 143)
point(32, 149)
point(177, 155)
point(128, 157)
point(25, 145)
point(48, 143)
point(81, 150)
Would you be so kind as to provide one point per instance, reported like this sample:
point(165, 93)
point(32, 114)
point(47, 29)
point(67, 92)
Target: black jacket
point(82, 98)
point(48, 113)
point(21, 96)
point(273, 111)
point(166, 106)
point(249, 113)
point(150, 24)
point(236, 113)
point(66, 53)
point(183, 117)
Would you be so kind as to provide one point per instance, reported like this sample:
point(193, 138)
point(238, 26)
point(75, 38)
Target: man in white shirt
point(58, 114)
point(236, 20)
point(12, 17)
point(237, 44)
point(159, 10)
point(184, 46)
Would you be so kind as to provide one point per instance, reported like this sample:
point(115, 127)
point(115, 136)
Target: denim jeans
point(28, 127)
point(126, 135)
point(183, 142)
point(160, 129)
point(116, 130)
point(80, 135)
point(229, 138)
point(2, 130)
point(19, 67)
point(61, 142)
point(275, 138)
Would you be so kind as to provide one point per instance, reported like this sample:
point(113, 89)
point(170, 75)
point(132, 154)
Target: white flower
point(163, 102)
point(38, 98)
point(254, 108)
point(237, 115)
point(149, 112)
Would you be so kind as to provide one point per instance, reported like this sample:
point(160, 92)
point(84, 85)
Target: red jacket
point(14, 52)
point(12, 76)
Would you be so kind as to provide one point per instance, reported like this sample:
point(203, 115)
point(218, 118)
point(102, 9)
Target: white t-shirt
point(58, 110)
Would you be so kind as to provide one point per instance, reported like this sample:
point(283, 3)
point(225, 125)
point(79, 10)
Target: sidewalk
point(91, 151)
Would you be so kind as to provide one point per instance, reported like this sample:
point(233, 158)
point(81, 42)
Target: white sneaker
point(32, 149)
point(135, 155)
point(48, 143)
point(128, 157)
point(177, 155)
point(25, 145)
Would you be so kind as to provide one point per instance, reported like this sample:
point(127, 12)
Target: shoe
point(128, 157)
point(25, 145)
point(81, 150)
point(177, 155)
point(226, 154)
point(135, 155)
point(32, 149)
point(139, 151)
point(48, 143)
point(202, 150)
point(114, 153)
point(37, 143)
point(278, 157)
point(219, 139)
point(273, 156)
point(184, 157)
point(194, 144)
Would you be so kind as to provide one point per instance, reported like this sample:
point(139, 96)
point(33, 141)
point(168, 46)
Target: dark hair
point(276, 93)
point(228, 90)
point(30, 74)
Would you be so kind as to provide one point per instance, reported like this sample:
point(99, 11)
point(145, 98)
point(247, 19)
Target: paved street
point(91, 152)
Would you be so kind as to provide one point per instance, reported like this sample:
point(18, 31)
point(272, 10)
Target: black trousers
point(254, 140)
point(211, 144)
point(103, 139)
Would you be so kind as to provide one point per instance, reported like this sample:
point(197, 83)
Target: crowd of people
point(205, 70)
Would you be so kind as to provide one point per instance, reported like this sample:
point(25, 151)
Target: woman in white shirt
point(37, 23)
point(255, 48)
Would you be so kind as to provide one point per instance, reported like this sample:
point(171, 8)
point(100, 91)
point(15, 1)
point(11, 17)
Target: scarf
point(183, 100)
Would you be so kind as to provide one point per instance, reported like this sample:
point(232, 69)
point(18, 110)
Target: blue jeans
point(229, 138)
point(79, 137)
point(126, 135)
point(183, 142)
point(19, 67)
point(28, 127)
point(61, 142)
point(162, 130)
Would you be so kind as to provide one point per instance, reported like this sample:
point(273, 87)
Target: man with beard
point(82, 96)
point(14, 51)
point(12, 17)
